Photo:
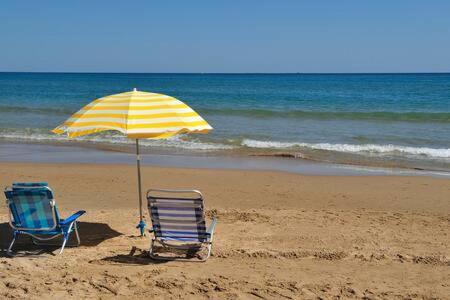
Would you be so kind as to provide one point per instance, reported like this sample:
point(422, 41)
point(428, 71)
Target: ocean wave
point(193, 143)
point(107, 138)
point(350, 148)
point(179, 142)
point(438, 117)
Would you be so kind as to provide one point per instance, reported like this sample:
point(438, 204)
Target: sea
point(380, 120)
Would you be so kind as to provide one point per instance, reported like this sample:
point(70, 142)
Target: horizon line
point(227, 73)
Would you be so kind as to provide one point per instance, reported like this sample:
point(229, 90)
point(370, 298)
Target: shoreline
point(111, 154)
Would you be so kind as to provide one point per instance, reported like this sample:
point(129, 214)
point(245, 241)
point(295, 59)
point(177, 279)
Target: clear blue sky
point(225, 36)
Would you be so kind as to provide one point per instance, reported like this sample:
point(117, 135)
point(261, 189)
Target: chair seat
point(58, 230)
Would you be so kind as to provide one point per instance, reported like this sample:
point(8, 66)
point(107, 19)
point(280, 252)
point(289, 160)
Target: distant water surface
point(400, 120)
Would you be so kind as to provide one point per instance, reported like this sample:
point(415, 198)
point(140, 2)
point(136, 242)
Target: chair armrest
point(72, 218)
point(210, 230)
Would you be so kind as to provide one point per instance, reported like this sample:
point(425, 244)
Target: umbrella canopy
point(138, 115)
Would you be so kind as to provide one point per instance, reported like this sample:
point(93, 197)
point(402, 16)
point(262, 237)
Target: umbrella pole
point(141, 224)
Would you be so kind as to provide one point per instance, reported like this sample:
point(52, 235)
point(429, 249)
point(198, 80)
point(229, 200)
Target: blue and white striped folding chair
point(33, 212)
point(178, 222)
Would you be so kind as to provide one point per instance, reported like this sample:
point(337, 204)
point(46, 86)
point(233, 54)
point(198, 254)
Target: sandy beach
point(279, 236)
point(318, 134)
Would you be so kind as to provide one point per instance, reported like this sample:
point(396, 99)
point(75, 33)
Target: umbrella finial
point(135, 90)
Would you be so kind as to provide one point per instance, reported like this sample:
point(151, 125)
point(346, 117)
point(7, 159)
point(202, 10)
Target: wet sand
point(280, 236)
point(106, 154)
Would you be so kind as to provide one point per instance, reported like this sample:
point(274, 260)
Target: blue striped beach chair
point(178, 223)
point(33, 212)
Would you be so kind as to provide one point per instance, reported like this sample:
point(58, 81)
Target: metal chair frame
point(40, 240)
point(182, 245)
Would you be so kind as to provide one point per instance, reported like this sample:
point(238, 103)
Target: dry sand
point(280, 236)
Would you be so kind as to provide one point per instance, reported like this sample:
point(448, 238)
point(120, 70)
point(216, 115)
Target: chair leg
point(15, 235)
point(63, 245)
point(208, 253)
point(66, 237)
point(151, 254)
point(76, 233)
point(150, 251)
point(157, 257)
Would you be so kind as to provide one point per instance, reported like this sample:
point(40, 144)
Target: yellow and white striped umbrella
point(137, 115)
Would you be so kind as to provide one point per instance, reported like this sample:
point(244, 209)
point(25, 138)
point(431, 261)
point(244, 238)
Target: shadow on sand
point(138, 256)
point(91, 235)
point(135, 257)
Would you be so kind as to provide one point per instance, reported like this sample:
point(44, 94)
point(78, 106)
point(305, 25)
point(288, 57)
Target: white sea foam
point(349, 148)
point(179, 142)
point(173, 142)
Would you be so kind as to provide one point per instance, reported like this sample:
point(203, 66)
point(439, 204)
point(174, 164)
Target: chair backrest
point(31, 206)
point(177, 215)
